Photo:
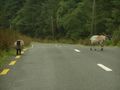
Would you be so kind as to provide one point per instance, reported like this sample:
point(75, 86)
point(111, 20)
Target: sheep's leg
point(101, 44)
point(17, 52)
point(101, 48)
point(20, 51)
point(91, 46)
point(90, 49)
point(95, 47)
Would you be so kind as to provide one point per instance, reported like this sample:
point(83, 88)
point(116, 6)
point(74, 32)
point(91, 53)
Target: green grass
point(4, 57)
point(118, 44)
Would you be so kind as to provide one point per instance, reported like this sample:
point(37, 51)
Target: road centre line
point(12, 63)
point(77, 50)
point(104, 67)
point(5, 71)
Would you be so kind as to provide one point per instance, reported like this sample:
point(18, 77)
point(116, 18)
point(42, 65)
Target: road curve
point(64, 67)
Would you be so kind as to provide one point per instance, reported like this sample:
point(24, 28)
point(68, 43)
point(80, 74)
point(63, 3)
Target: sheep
point(97, 40)
point(19, 46)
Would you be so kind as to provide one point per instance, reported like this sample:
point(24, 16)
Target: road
point(64, 67)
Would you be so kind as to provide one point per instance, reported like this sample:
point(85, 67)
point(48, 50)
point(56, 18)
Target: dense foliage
point(60, 18)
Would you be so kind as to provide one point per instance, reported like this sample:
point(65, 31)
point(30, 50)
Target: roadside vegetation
point(57, 21)
point(62, 20)
point(7, 39)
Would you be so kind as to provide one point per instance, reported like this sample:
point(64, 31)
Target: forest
point(56, 19)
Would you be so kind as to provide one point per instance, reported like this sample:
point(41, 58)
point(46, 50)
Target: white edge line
point(104, 67)
point(32, 46)
point(77, 50)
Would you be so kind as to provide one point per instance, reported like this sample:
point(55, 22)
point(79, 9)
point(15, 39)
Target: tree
point(9, 11)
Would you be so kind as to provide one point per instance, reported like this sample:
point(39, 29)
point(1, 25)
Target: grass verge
point(5, 57)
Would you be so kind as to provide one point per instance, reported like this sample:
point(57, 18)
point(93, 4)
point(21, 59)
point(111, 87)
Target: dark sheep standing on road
point(19, 46)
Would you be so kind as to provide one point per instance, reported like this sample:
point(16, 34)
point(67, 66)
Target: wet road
point(64, 67)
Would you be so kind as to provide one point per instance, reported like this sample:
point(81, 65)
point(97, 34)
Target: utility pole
point(52, 23)
point(93, 18)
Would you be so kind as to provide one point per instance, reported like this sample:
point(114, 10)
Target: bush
point(8, 37)
point(85, 41)
point(27, 40)
point(116, 37)
point(109, 43)
point(118, 44)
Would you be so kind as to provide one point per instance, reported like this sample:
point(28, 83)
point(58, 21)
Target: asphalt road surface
point(64, 67)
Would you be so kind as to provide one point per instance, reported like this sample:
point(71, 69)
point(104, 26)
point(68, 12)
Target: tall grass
point(8, 37)
point(5, 57)
point(116, 38)
point(27, 40)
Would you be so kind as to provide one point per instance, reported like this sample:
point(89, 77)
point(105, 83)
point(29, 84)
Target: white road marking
point(59, 46)
point(32, 46)
point(77, 50)
point(22, 52)
point(56, 45)
point(25, 49)
point(104, 67)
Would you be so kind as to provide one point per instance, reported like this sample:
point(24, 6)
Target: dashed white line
point(77, 50)
point(104, 67)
